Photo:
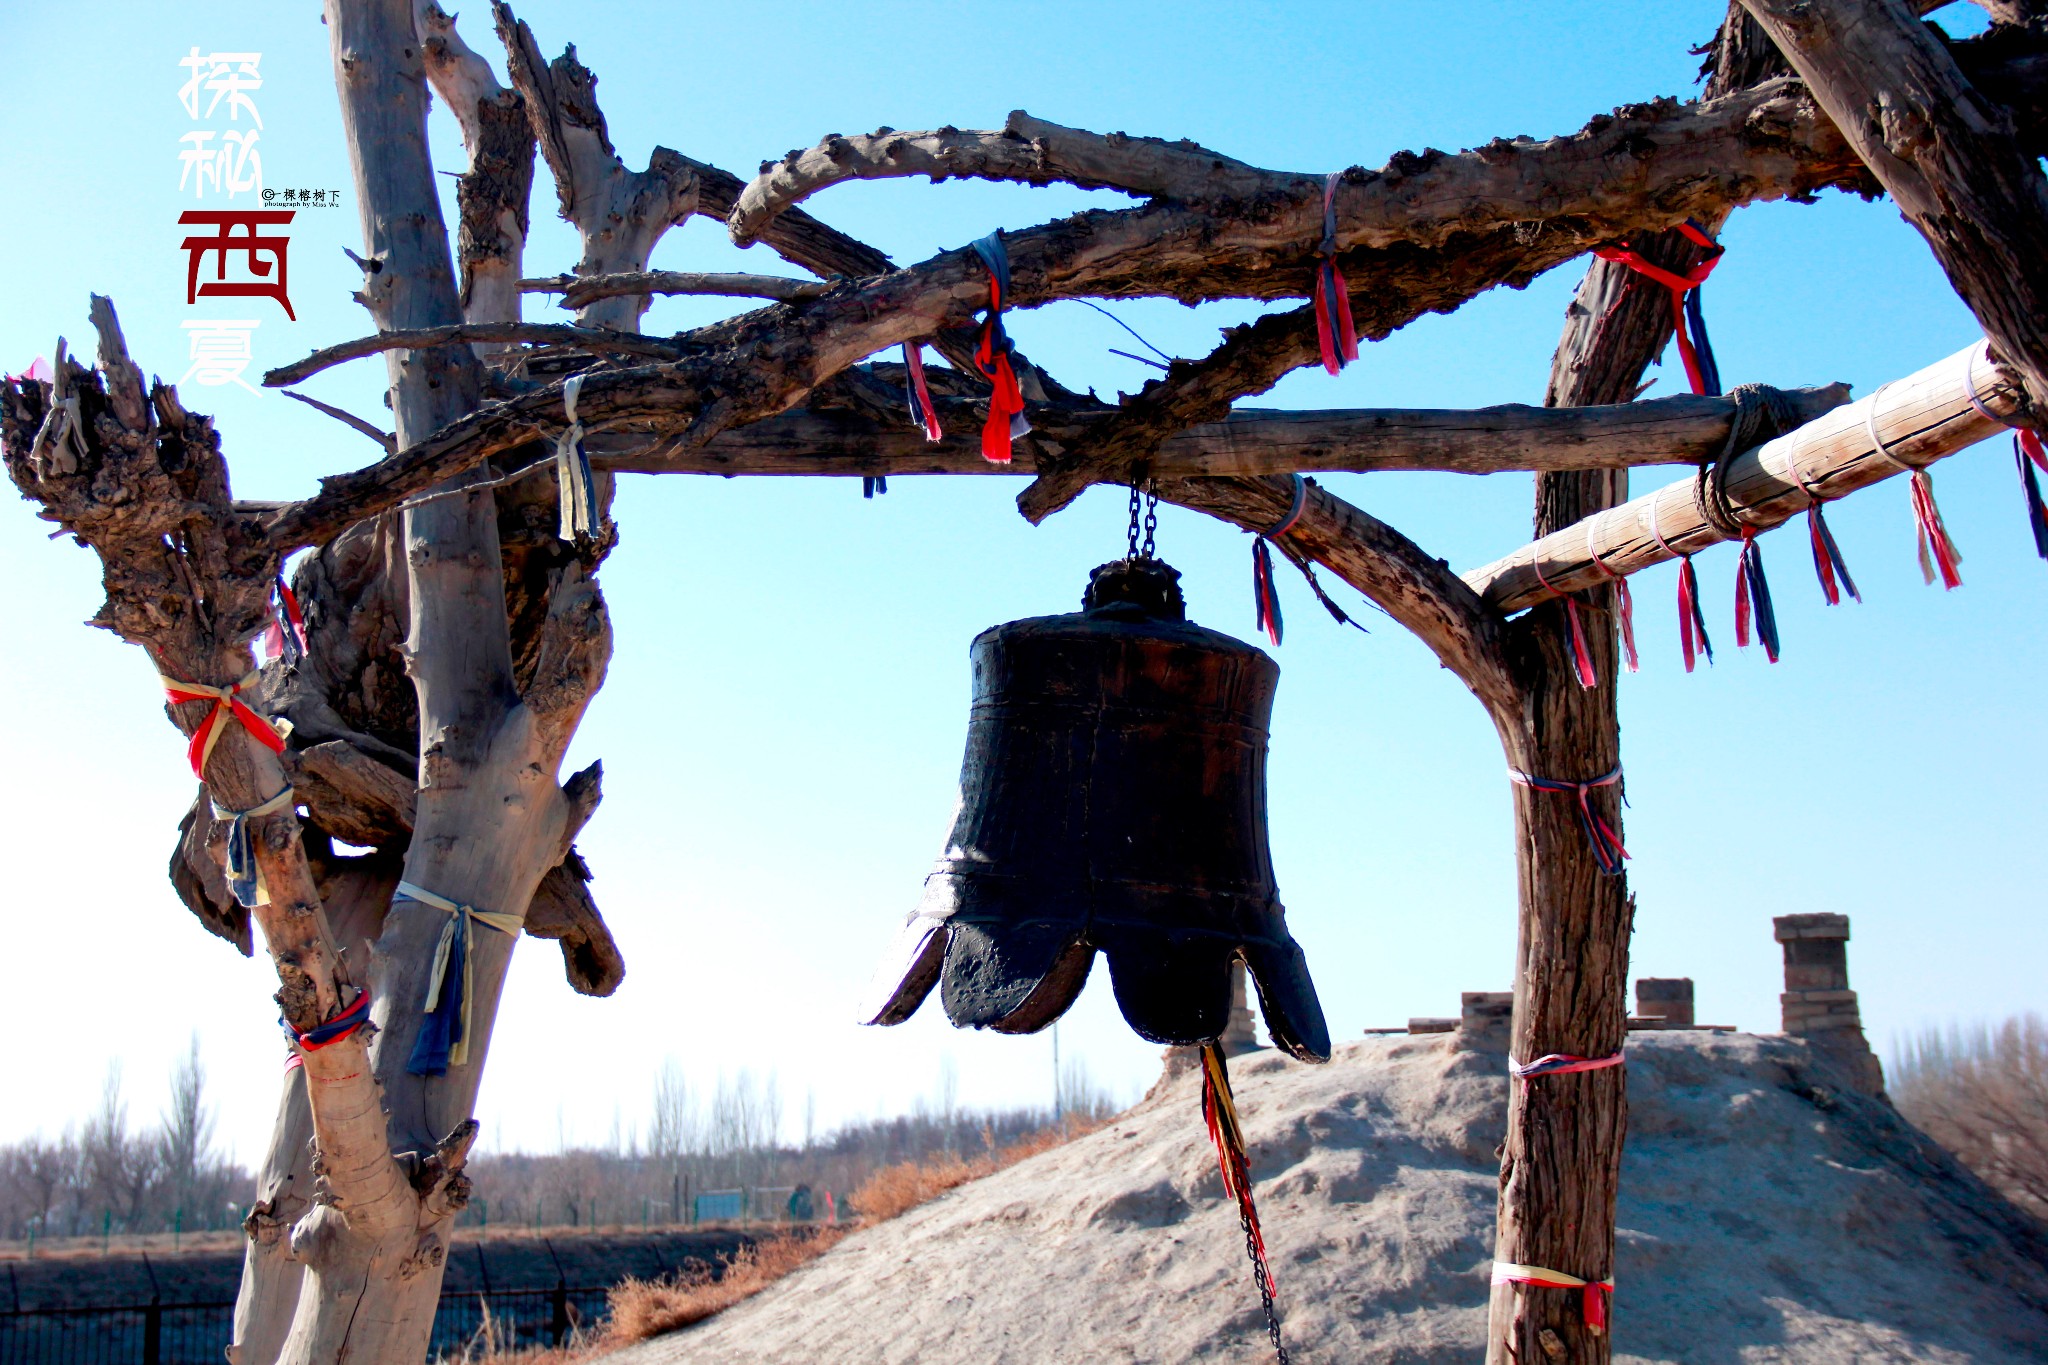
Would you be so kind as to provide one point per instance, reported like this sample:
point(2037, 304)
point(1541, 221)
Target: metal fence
point(199, 1333)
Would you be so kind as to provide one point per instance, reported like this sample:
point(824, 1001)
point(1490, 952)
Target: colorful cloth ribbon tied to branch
point(1624, 600)
point(575, 484)
point(1692, 622)
point(2027, 454)
point(1006, 420)
point(1608, 852)
point(285, 637)
point(1828, 564)
point(1265, 595)
point(922, 413)
point(1753, 598)
point(1219, 1111)
point(1938, 552)
point(1688, 324)
point(334, 1030)
point(245, 879)
point(1594, 1297)
point(1335, 335)
point(226, 704)
point(1559, 1064)
point(447, 1028)
point(1574, 630)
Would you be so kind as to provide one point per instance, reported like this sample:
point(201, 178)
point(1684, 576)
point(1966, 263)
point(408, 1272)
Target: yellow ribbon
point(460, 917)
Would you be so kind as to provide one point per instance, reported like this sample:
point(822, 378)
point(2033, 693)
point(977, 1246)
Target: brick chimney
point(1818, 1004)
point(1663, 1002)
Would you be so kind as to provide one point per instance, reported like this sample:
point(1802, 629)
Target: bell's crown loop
point(1141, 588)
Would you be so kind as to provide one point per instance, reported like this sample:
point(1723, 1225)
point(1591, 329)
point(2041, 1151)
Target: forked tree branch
point(1025, 149)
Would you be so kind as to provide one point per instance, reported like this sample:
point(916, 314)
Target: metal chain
point(1134, 523)
point(1143, 497)
point(1251, 1250)
point(1151, 520)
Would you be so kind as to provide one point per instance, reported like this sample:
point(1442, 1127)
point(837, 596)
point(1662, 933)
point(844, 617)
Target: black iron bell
point(1113, 797)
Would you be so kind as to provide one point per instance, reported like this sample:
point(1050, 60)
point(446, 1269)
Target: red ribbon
point(1336, 337)
point(1624, 600)
point(1575, 632)
point(225, 703)
point(1680, 286)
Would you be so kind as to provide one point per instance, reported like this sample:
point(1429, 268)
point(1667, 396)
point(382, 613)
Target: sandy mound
point(1766, 1215)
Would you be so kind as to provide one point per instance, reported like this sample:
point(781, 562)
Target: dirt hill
point(1767, 1215)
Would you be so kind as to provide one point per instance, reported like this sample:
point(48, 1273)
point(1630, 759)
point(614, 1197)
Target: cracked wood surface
point(853, 441)
point(1951, 159)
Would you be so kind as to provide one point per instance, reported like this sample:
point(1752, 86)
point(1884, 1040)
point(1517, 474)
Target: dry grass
point(645, 1308)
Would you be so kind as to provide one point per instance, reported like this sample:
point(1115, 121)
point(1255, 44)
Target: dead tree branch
point(828, 437)
point(1950, 158)
point(1025, 149)
point(620, 214)
point(577, 291)
point(421, 338)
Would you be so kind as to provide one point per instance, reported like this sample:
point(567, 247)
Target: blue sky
point(782, 727)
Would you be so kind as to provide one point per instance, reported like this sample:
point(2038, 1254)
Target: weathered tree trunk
point(1950, 158)
point(490, 820)
point(1561, 1160)
point(268, 1296)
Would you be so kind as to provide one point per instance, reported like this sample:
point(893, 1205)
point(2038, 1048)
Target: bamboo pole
point(1926, 416)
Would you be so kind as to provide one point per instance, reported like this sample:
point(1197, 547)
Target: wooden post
point(1561, 1160)
point(1949, 157)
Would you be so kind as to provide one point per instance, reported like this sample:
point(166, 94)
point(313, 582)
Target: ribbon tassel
point(1688, 323)
point(1605, 840)
point(1938, 553)
point(245, 879)
point(575, 484)
point(1336, 336)
point(922, 413)
point(1593, 1294)
point(1219, 1112)
point(1006, 420)
point(1265, 592)
point(1624, 600)
point(285, 637)
point(1827, 559)
point(1575, 633)
point(2027, 451)
point(1692, 621)
point(1753, 598)
point(445, 1032)
point(1265, 599)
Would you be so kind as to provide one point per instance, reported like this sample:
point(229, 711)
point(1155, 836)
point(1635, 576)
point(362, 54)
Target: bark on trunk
point(1950, 158)
point(1561, 1159)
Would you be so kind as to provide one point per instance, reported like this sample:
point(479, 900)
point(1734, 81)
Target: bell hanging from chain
point(1113, 798)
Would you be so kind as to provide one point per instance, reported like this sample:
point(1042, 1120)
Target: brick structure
point(1663, 1002)
point(1486, 1019)
point(1818, 1004)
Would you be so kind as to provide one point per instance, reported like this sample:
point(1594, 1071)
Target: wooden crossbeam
point(1682, 429)
point(1922, 418)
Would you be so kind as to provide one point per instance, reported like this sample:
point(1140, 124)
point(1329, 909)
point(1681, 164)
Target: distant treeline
point(732, 1151)
point(109, 1177)
point(734, 1146)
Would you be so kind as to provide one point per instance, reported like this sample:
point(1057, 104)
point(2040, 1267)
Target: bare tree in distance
point(1982, 1092)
